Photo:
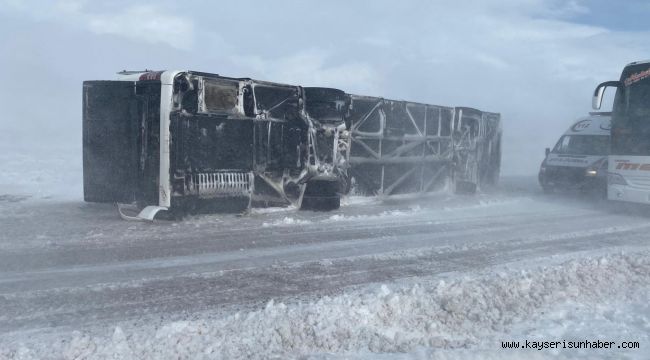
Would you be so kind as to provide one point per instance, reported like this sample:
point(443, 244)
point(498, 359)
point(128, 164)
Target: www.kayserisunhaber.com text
point(570, 344)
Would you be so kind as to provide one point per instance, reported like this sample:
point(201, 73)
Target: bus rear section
point(203, 163)
point(191, 142)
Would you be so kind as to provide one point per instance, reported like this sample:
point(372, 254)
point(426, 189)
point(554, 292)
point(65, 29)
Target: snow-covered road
point(66, 265)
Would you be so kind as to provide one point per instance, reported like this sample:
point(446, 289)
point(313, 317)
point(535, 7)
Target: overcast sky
point(536, 62)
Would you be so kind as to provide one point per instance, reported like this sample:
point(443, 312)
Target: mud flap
point(132, 213)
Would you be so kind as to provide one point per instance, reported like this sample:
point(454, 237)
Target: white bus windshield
point(631, 113)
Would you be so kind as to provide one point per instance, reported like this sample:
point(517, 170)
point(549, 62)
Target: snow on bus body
point(579, 159)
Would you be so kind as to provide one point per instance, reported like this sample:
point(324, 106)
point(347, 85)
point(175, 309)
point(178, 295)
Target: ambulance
point(578, 161)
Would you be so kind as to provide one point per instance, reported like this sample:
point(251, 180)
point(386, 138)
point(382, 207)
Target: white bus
point(628, 177)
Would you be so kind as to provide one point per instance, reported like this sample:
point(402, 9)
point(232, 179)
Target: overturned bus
point(186, 141)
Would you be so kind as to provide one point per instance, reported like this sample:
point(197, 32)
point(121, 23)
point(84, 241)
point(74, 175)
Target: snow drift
point(427, 317)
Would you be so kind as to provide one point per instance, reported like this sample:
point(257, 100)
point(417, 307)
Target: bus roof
point(638, 62)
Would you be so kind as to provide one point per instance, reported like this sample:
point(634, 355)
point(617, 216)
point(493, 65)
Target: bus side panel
point(110, 135)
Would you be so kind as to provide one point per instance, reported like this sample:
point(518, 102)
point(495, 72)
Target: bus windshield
point(582, 145)
point(631, 113)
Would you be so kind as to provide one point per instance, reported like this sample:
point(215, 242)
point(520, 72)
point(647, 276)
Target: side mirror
point(548, 151)
point(597, 100)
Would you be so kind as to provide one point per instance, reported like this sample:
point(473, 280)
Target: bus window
point(219, 95)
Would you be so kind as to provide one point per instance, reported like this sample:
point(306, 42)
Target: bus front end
point(628, 177)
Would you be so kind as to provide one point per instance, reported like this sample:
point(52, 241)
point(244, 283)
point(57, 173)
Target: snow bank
point(449, 317)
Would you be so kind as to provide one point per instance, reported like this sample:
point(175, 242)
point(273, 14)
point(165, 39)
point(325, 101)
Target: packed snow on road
point(439, 276)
